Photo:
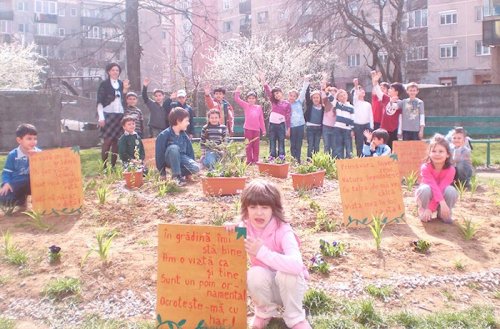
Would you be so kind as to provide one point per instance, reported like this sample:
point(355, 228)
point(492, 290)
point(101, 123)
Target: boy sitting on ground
point(130, 147)
point(375, 144)
point(16, 172)
point(174, 149)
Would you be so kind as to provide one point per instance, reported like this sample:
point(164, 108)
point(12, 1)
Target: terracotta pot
point(308, 181)
point(216, 186)
point(274, 169)
point(133, 179)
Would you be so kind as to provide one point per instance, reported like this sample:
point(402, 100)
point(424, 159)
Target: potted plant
point(312, 174)
point(276, 167)
point(228, 175)
point(133, 172)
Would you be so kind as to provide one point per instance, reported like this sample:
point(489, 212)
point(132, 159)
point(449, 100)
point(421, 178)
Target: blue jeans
point(463, 172)
point(313, 138)
point(210, 159)
point(328, 140)
point(296, 138)
point(18, 197)
point(277, 133)
point(359, 138)
point(343, 143)
point(410, 135)
point(180, 164)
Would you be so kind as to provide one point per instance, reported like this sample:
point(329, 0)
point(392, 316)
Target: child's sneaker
point(302, 325)
point(259, 323)
point(180, 181)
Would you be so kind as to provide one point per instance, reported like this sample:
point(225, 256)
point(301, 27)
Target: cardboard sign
point(370, 187)
point(410, 156)
point(56, 181)
point(149, 151)
point(201, 277)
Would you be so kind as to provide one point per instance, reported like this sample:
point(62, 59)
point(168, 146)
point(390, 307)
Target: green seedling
point(421, 246)
point(411, 180)
point(104, 239)
point(468, 229)
point(102, 193)
point(461, 188)
point(377, 228)
point(36, 220)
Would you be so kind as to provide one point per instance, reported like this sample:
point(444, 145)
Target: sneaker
point(180, 181)
point(259, 323)
point(302, 325)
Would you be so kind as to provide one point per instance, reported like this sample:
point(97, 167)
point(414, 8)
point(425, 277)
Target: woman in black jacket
point(110, 97)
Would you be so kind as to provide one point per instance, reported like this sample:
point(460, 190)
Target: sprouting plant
point(381, 292)
point(474, 184)
point(318, 264)
point(152, 175)
point(237, 207)
point(302, 193)
point(13, 254)
point(459, 266)
point(62, 287)
point(492, 184)
point(306, 168)
point(317, 302)
point(377, 228)
point(36, 220)
point(90, 185)
point(314, 206)
point(218, 219)
point(334, 249)
point(104, 238)
point(172, 209)
point(102, 193)
point(327, 162)
point(468, 229)
point(421, 246)
point(411, 180)
point(324, 222)
point(54, 254)
point(167, 186)
point(461, 188)
point(8, 207)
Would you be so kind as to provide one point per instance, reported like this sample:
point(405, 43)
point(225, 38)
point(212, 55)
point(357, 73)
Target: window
point(227, 26)
point(262, 17)
point(62, 32)
point(21, 6)
point(5, 26)
point(481, 50)
point(23, 28)
point(46, 7)
point(416, 53)
point(45, 29)
point(283, 14)
point(417, 19)
point(448, 81)
point(73, 12)
point(164, 34)
point(46, 50)
point(353, 60)
point(479, 13)
point(62, 11)
point(383, 56)
point(448, 17)
point(448, 51)
point(226, 4)
point(308, 36)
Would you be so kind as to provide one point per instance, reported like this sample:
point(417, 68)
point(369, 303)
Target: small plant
point(102, 193)
point(3, 280)
point(152, 175)
point(377, 228)
point(317, 302)
point(167, 187)
point(314, 206)
point(334, 249)
point(411, 180)
point(218, 219)
point(474, 184)
point(231, 162)
point(382, 292)
point(54, 254)
point(104, 239)
point(306, 168)
point(60, 288)
point(8, 207)
point(36, 220)
point(325, 161)
point(172, 209)
point(324, 223)
point(448, 295)
point(461, 188)
point(279, 160)
point(90, 185)
point(421, 246)
point(496, 294)
point(7, 323)
point(459, 266)
point(13, 254)
point(468, 229)
point(318, 264)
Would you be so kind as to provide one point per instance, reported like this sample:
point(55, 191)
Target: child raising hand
point(277, 276)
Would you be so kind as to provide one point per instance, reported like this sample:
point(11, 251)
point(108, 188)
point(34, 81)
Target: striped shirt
point(216, 134)
point(136, 113)
point(345, 115)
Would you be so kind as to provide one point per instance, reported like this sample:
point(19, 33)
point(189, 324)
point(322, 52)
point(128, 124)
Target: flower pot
point(274, 169)
point(133, 179)
point(308, 181)
point(217, 186)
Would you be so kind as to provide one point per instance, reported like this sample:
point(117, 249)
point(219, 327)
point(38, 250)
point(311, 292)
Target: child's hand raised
point(238, 89)
point(206, 89)
point(368, 135)
point(146, 82)
point(230, 226)
point(252, 246)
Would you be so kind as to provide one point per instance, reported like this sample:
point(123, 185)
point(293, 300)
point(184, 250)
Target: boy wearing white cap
point(181, 102)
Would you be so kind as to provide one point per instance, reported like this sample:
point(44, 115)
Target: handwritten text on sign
point(370, 187)
point(149, 152)
point(201, 277)
point(56, 181)
point(411, 155)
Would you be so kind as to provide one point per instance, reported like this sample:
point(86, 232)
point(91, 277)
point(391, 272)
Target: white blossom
point(20, 66)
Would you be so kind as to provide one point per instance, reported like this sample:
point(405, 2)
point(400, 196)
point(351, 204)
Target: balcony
point(246, 30)
point(6, 15)
point(246, 7)
point(491, 31)
point(45, 18)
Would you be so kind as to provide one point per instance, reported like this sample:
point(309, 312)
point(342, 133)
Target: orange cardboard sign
point(410, 156)
point(370, 187)
point(56, 181)
point(201, 279)
point(149, 151)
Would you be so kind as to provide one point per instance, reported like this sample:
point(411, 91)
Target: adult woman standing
point(110, 97)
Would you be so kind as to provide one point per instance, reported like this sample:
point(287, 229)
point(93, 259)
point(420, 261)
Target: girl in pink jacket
point(435, 192)
point(254, 123)
point(277, 276)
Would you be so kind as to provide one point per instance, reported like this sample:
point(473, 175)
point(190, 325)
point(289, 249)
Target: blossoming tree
point(20, 66)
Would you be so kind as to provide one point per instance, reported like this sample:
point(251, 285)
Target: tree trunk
point(133, 46)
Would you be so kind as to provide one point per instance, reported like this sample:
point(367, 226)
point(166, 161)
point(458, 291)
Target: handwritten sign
point(410, 156)
point(201, 277)
point(56, 181)
point(370, 187)
point(149, 150)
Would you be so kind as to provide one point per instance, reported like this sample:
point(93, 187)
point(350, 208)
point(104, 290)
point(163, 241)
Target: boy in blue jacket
point(16, 173)
point(174, 149)
point(376, 143)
